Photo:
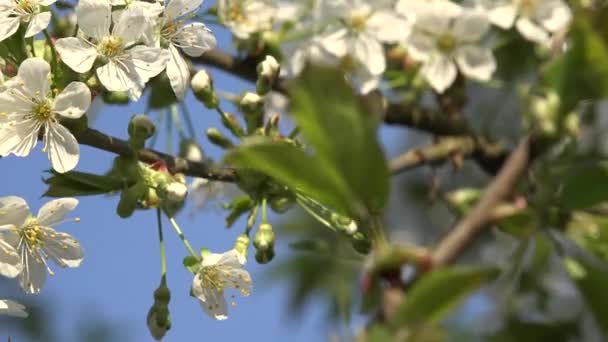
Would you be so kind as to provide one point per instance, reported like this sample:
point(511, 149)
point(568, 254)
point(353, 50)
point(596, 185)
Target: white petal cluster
point(28, 108)
point(29, 12)
point(28, 242)
point(245, 17)
point(126, 64)
point(446, 41)
point(11, 308)
point(536, 20)
point(218, 272)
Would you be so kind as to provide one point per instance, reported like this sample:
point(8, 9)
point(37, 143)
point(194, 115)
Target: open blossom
point(10, 308)
point(193, 39)
point(443, 41)
point(126, 66)
point(30, 107)
point(359, 34)
point(245, 17)
point(216, 273)
point(35, 240)
point(15, 12)
point(536, 20)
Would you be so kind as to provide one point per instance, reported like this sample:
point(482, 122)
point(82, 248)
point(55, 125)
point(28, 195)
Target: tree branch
point(102, 141)
point(472, 224)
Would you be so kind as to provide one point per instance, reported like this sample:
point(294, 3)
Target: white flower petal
point(370, 54)
point(178, 73)
point(63, 249)
point(440, 72)
point(73, 101)
point(553, 15)
point(13, 211)
point(8, 27)
point(421, 46)
point(131, 25)
point(11, 308)
point(178, 8)
point(14, 101)
point(470, 26)
point(54, 212)
point(47, 2)
point(389, 27)
point(35, 72)
point(63, 149)
point(231, 258)
point(476, 62)
point(94, 17)
point(37, 23)
point(120, 77)
point(434, 22)
point(336, 42)
point(503, 15)
point(214, 304)
point(76, 53)
point(10, 261)
point(19, 138)
point(195, 39)
point(149, 61)
point(532, 31)
point(33, 276)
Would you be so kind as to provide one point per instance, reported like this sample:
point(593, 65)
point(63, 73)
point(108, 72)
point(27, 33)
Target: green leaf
point(582, 72)
point(293, 167)
point(585, 186)
point(342, 135)
point(76, 183)
point(435, 294)
point(191, 263)
point(592, 281)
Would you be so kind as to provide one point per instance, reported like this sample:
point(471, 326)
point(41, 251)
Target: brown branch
point(468, 228)
point(102, 141)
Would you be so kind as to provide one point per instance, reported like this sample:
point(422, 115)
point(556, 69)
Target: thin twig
point(468, 228)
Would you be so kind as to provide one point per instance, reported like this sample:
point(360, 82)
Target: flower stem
point(182, 237)
point(163, 257)
point(49, 41)
point(188, 120)
point(176, 120)
point(264, 210)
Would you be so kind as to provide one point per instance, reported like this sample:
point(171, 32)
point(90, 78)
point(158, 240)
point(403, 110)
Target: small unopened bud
point(158, 318)
point(242, 244)
point(190, 150)
point(282, 204)
point(268, 70)
point(232, 124)
point(251, 102)
point(264, 256)
point(141, 127)
point(264, 237)
point(202, 86)
point(217, 138)
point(176, 192)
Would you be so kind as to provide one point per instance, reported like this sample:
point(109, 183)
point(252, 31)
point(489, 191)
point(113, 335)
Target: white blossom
point(357, 37)
point(35, 240)
point(443, 41)
point(216, 273)
point(15, 12)
point(536, 20)
point(269, 67)
point(11, 308)
point(126, 65)
point(193, 39)
point(245, 17)
point(30, 107)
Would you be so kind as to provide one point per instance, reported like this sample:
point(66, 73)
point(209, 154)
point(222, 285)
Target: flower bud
point(176, 192)
point(282, 204)
point(251, 102)
point(202, 86)
point(268, 70)
point(232, 124)
point(141, 127)
point(264, 256)
point(241, 244)
point(158, 318)
point(189, 149)
point(264, 237)
point(217, 138)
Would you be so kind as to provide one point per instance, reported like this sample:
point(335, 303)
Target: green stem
point(264, 211)
point(188, 120)
point(294, 133)
point(163, 257)
point(176, 120)
point(49, 41)
point(169, 131)
point(182, 237)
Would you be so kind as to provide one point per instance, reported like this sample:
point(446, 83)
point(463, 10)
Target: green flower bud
point(241, 244)
point(129, 198)
point(251, 103)
point(264, 256)
point(282, 204)
point(162, 295)
point(116, 97)
point(264, 237)
point(361, 243)
point(141, 127)
point(202, 86)
point(159, 321)
point(217, 138)
point(268, 71)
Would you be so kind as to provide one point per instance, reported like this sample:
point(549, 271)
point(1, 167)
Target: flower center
point(446, 42)
point(111, 46)
point(212, 279)
point(27, 7)
point(169, 30)
point(43, 111)
point(527, 7)
point(235, 13)
point(32, 234)
point(358, 20)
